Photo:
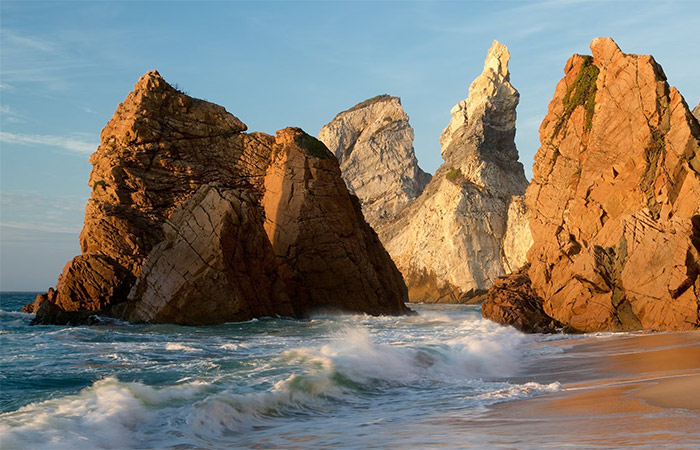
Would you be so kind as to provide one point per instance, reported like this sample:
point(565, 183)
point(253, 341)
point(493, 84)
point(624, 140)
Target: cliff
point(615, 200)
point(177, 222)
point(469, 226)
point(373, 142)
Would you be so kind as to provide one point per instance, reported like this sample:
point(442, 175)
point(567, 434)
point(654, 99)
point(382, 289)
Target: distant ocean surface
point(349, 381)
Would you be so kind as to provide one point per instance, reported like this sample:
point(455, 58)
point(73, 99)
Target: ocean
point(332, 381)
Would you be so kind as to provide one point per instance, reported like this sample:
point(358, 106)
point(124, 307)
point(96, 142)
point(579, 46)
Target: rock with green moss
point(615, 200)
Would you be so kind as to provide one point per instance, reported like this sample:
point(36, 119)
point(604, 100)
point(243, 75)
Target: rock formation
point(615, 200)
point(176, 221)
point(373, 142)
point(469, 226)
point(696, 112)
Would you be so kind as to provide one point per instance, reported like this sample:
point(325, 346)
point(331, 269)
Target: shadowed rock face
point(175, 218)
point(329, 256)
point(373, 142)
point(615, 199)
point(511, 300)
point(696, 111)
point(469, 226)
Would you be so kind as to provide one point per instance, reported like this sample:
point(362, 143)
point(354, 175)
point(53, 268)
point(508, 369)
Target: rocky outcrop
point(512, 301)
point(373, 142)
point(469, 226)
point(696, 111)
point(615, 199)
point(329, 257)
point(175, 218)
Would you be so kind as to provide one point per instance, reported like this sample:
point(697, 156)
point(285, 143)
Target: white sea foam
point(110, 414)
point(17, 314)
point(176, 346)
point(492, 351)
point(353, 362)
point(228, 411)
point(230, 346)
point(512, 392)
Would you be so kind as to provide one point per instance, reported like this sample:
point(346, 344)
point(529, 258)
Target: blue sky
point(65, 66)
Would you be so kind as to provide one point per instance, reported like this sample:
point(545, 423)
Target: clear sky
point(65, 66)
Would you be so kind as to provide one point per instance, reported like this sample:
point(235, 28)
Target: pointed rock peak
point(497, 61)
point(156, 111)
point(492, 101)
point(696, 112)
point(604, 50)
point(494, 80)
point(373, 142)
point(150, 81)
point(294, 136)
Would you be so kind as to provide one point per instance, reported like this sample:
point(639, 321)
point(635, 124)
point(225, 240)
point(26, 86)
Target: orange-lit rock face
point(615, 198)
point(329, 257)
point(159, 147)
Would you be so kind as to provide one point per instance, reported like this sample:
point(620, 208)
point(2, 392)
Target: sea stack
point(373, 142)
point(469, 226)
point(614, 202)
point(192, 221)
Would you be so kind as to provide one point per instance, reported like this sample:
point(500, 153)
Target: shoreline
point(638, 390)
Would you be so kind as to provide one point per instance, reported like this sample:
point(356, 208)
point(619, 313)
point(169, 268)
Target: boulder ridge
point(615, 201)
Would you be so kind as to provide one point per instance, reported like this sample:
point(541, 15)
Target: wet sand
point(619, 391)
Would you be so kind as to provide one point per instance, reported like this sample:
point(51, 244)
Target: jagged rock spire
point(470, 225)
point(491, 104)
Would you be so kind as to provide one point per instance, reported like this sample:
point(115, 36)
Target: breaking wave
point(210, 387)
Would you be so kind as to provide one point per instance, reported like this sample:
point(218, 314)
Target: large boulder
point(511, 300)
point(469, 226)
point(156, 156)
point(88, 285)
point(373, 142)
point(615, 198)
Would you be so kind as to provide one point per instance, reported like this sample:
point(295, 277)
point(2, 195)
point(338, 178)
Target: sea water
point(347, 381)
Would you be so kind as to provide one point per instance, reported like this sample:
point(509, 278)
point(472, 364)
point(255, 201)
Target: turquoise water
point(350, 381)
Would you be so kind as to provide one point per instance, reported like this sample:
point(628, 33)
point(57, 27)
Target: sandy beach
point(618, 391)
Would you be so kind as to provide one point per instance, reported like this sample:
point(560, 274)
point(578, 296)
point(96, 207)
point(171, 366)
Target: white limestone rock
point(470, 225)
point(373, 142)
